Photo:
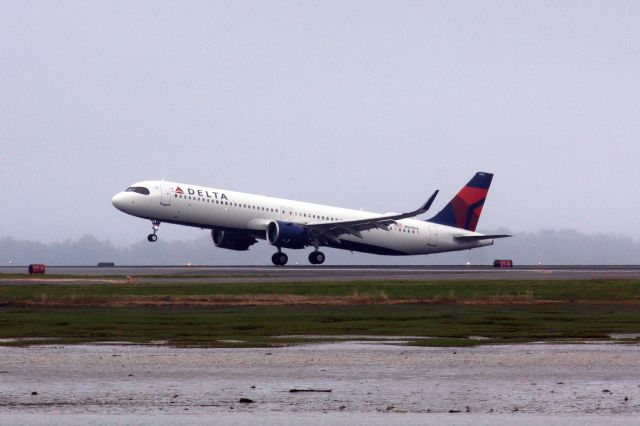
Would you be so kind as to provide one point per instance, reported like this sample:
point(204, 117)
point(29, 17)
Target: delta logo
point(202, 193)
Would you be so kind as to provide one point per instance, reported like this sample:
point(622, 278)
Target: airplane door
point(165, 195)
point(433, 235)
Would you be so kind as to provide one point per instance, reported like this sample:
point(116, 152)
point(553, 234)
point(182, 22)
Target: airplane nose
point(118, 201)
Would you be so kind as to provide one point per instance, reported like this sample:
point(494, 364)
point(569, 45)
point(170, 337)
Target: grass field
point(259, 314)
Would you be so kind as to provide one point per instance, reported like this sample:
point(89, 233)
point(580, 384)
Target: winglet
point(423, 208)
point(427, 205)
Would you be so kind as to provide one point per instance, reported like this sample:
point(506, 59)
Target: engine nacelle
point(287, 234)
point(232, 239)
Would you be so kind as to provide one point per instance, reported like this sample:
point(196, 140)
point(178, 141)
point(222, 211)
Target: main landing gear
point(279, 258)
point(155, 225)
point(316, 257)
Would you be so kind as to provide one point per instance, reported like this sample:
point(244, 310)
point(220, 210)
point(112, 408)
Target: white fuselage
point(211, 208)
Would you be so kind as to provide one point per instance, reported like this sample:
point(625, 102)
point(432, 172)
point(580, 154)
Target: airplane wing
point(332, 230)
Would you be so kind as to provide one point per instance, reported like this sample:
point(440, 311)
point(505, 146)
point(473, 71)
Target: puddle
point(624, 335)
point(350, 337)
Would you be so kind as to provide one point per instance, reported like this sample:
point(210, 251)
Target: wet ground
point(369, 383)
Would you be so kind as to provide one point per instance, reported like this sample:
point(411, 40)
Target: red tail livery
point(463, 211)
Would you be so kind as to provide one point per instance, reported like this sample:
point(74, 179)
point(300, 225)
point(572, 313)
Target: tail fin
point(463, 211)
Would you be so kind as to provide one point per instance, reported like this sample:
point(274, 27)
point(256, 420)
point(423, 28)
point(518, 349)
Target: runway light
point(468, 263)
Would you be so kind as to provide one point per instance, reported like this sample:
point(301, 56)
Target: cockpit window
point(139, 189)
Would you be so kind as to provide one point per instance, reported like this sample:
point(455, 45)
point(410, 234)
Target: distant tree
point(546, 246)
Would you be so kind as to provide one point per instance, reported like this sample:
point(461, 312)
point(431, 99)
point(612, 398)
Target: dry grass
point(290, 300)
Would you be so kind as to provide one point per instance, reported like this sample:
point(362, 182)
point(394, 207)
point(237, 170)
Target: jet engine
point(287, 234)
point(232, 239)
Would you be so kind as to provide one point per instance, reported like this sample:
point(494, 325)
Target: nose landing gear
point(155, 225)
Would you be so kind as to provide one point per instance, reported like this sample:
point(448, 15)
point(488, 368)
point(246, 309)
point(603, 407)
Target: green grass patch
point(606, 306)
point(450, 325)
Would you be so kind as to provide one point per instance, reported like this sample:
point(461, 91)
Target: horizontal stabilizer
point(480, 237)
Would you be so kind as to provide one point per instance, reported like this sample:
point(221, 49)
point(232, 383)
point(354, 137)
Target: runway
point(247, 274)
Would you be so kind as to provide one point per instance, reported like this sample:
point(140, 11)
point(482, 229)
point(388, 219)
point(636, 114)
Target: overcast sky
point(367, 105)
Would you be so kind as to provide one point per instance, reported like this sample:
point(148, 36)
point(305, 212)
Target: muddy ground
point(368, 382)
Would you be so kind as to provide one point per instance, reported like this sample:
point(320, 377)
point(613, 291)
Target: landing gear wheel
point(316, 258)
point(155, 225)
point(279, 259)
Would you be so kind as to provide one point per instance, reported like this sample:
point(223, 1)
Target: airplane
point(237, 220)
